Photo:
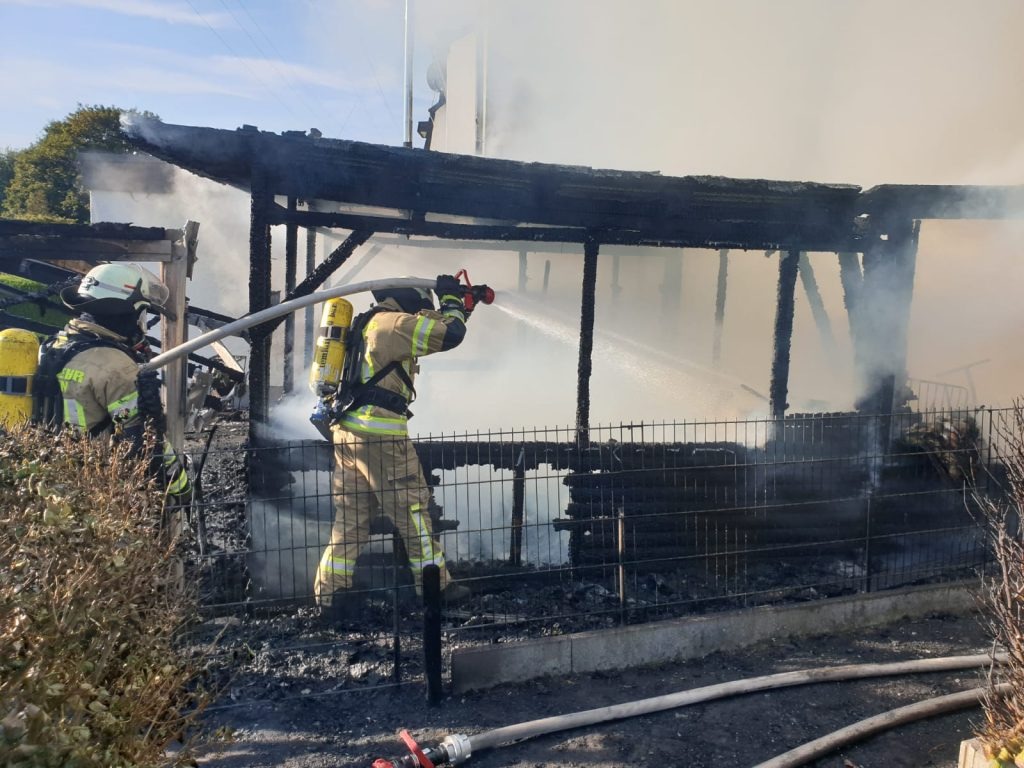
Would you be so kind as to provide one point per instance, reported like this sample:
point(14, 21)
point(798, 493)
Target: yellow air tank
point(19, 358)
point(329, 356)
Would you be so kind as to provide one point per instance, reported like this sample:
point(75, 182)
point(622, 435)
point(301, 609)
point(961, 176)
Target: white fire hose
point(278, 310)
point(455, 749)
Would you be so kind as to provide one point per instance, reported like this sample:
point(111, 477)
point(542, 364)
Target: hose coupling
point(458, 748)
point(452, 750)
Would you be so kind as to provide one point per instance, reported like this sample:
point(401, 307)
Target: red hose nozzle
point(475, 294)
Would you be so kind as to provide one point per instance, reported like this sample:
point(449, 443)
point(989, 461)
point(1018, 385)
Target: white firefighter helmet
point(115, 288)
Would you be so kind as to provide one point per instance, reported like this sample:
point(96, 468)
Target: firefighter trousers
point(376, 476)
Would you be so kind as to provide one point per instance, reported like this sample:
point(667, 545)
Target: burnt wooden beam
point(308, 334)
point(326, 268)
point(291, 255)
point(677, 233)
point(259, 298)
point(818, 311)
point(7, 320)
point(586, 353)
point(852, 280)
point(102, 230)
point(721, 285)
point(783, 338)
point(569, 197)
point(88, 249)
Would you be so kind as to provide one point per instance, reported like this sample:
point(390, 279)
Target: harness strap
point(15, 385)
point(47, 399)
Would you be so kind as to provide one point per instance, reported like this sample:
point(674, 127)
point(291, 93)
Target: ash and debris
point(298, 694)
point(293, 729)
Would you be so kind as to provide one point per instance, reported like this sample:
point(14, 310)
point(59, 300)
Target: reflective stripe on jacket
point(396, 336)
point(98, 385)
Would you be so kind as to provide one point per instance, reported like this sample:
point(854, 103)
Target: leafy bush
point(90, 609)
point(1002, 732)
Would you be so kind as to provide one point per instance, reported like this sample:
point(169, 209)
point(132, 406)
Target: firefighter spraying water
point(363, 375)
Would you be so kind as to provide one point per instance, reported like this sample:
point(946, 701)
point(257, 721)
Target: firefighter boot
point(455, 593)
point(344, 608)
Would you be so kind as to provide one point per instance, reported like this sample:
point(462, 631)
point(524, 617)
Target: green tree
point(45, 184)
point(6, 172)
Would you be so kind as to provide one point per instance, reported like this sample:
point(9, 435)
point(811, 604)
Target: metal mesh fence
point(640, 522)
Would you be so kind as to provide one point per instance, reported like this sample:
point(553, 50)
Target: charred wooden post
point(853, 285)
point(818, 311)
point(309, 329)
point(723, 279)
point(784, 306)
point(327, 268)
point(889, 266)
point(291, 255)
point(432, 633)
point(174, 330)
point(585, 366)
point(259, 298)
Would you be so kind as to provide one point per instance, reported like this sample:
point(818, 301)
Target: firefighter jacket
point(393, 335)
point(100, 390)
point(98, 385)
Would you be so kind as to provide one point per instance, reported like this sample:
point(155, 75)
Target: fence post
point(432, 632)
point(395, 613)
point(621, 522)
point(515, 549)
point(868, 575)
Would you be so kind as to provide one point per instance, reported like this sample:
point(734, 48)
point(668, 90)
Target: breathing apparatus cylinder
point(19, 359)
point(329, 356)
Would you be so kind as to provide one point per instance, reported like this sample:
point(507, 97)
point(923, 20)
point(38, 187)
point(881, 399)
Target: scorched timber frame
point(416, 193)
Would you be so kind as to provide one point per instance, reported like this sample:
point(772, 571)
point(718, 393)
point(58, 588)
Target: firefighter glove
point(150, 407)
point(449, 290)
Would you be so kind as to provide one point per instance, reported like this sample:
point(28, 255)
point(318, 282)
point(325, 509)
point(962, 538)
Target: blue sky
point(277, 64)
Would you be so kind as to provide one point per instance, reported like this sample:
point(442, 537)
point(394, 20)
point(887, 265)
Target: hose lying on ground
point(457, 748)
point(920, 710)
point(521, 731)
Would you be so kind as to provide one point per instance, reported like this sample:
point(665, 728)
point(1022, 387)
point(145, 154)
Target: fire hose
point(455, 749)
point(480, 293)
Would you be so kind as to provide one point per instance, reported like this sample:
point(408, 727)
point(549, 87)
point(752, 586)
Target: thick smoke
point(865, 93)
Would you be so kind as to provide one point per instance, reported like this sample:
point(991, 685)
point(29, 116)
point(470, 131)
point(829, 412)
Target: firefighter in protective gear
point(96, 359)
point(377, 472)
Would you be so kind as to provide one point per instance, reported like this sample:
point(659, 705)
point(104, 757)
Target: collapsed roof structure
point(368, 189)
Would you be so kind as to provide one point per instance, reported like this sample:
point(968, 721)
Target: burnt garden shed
point(378, 189)
point(305, 180)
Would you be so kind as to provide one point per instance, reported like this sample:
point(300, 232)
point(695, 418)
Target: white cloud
point(272, 71)
point(42, 79)
point(172, 13)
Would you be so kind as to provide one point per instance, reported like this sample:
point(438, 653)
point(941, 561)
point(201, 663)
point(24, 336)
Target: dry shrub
point(90, 607)
point(1002, 731)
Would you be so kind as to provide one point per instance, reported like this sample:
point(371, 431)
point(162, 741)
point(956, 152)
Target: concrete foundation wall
point(688, 638)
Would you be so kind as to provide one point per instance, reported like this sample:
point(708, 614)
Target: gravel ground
point(301, 726)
